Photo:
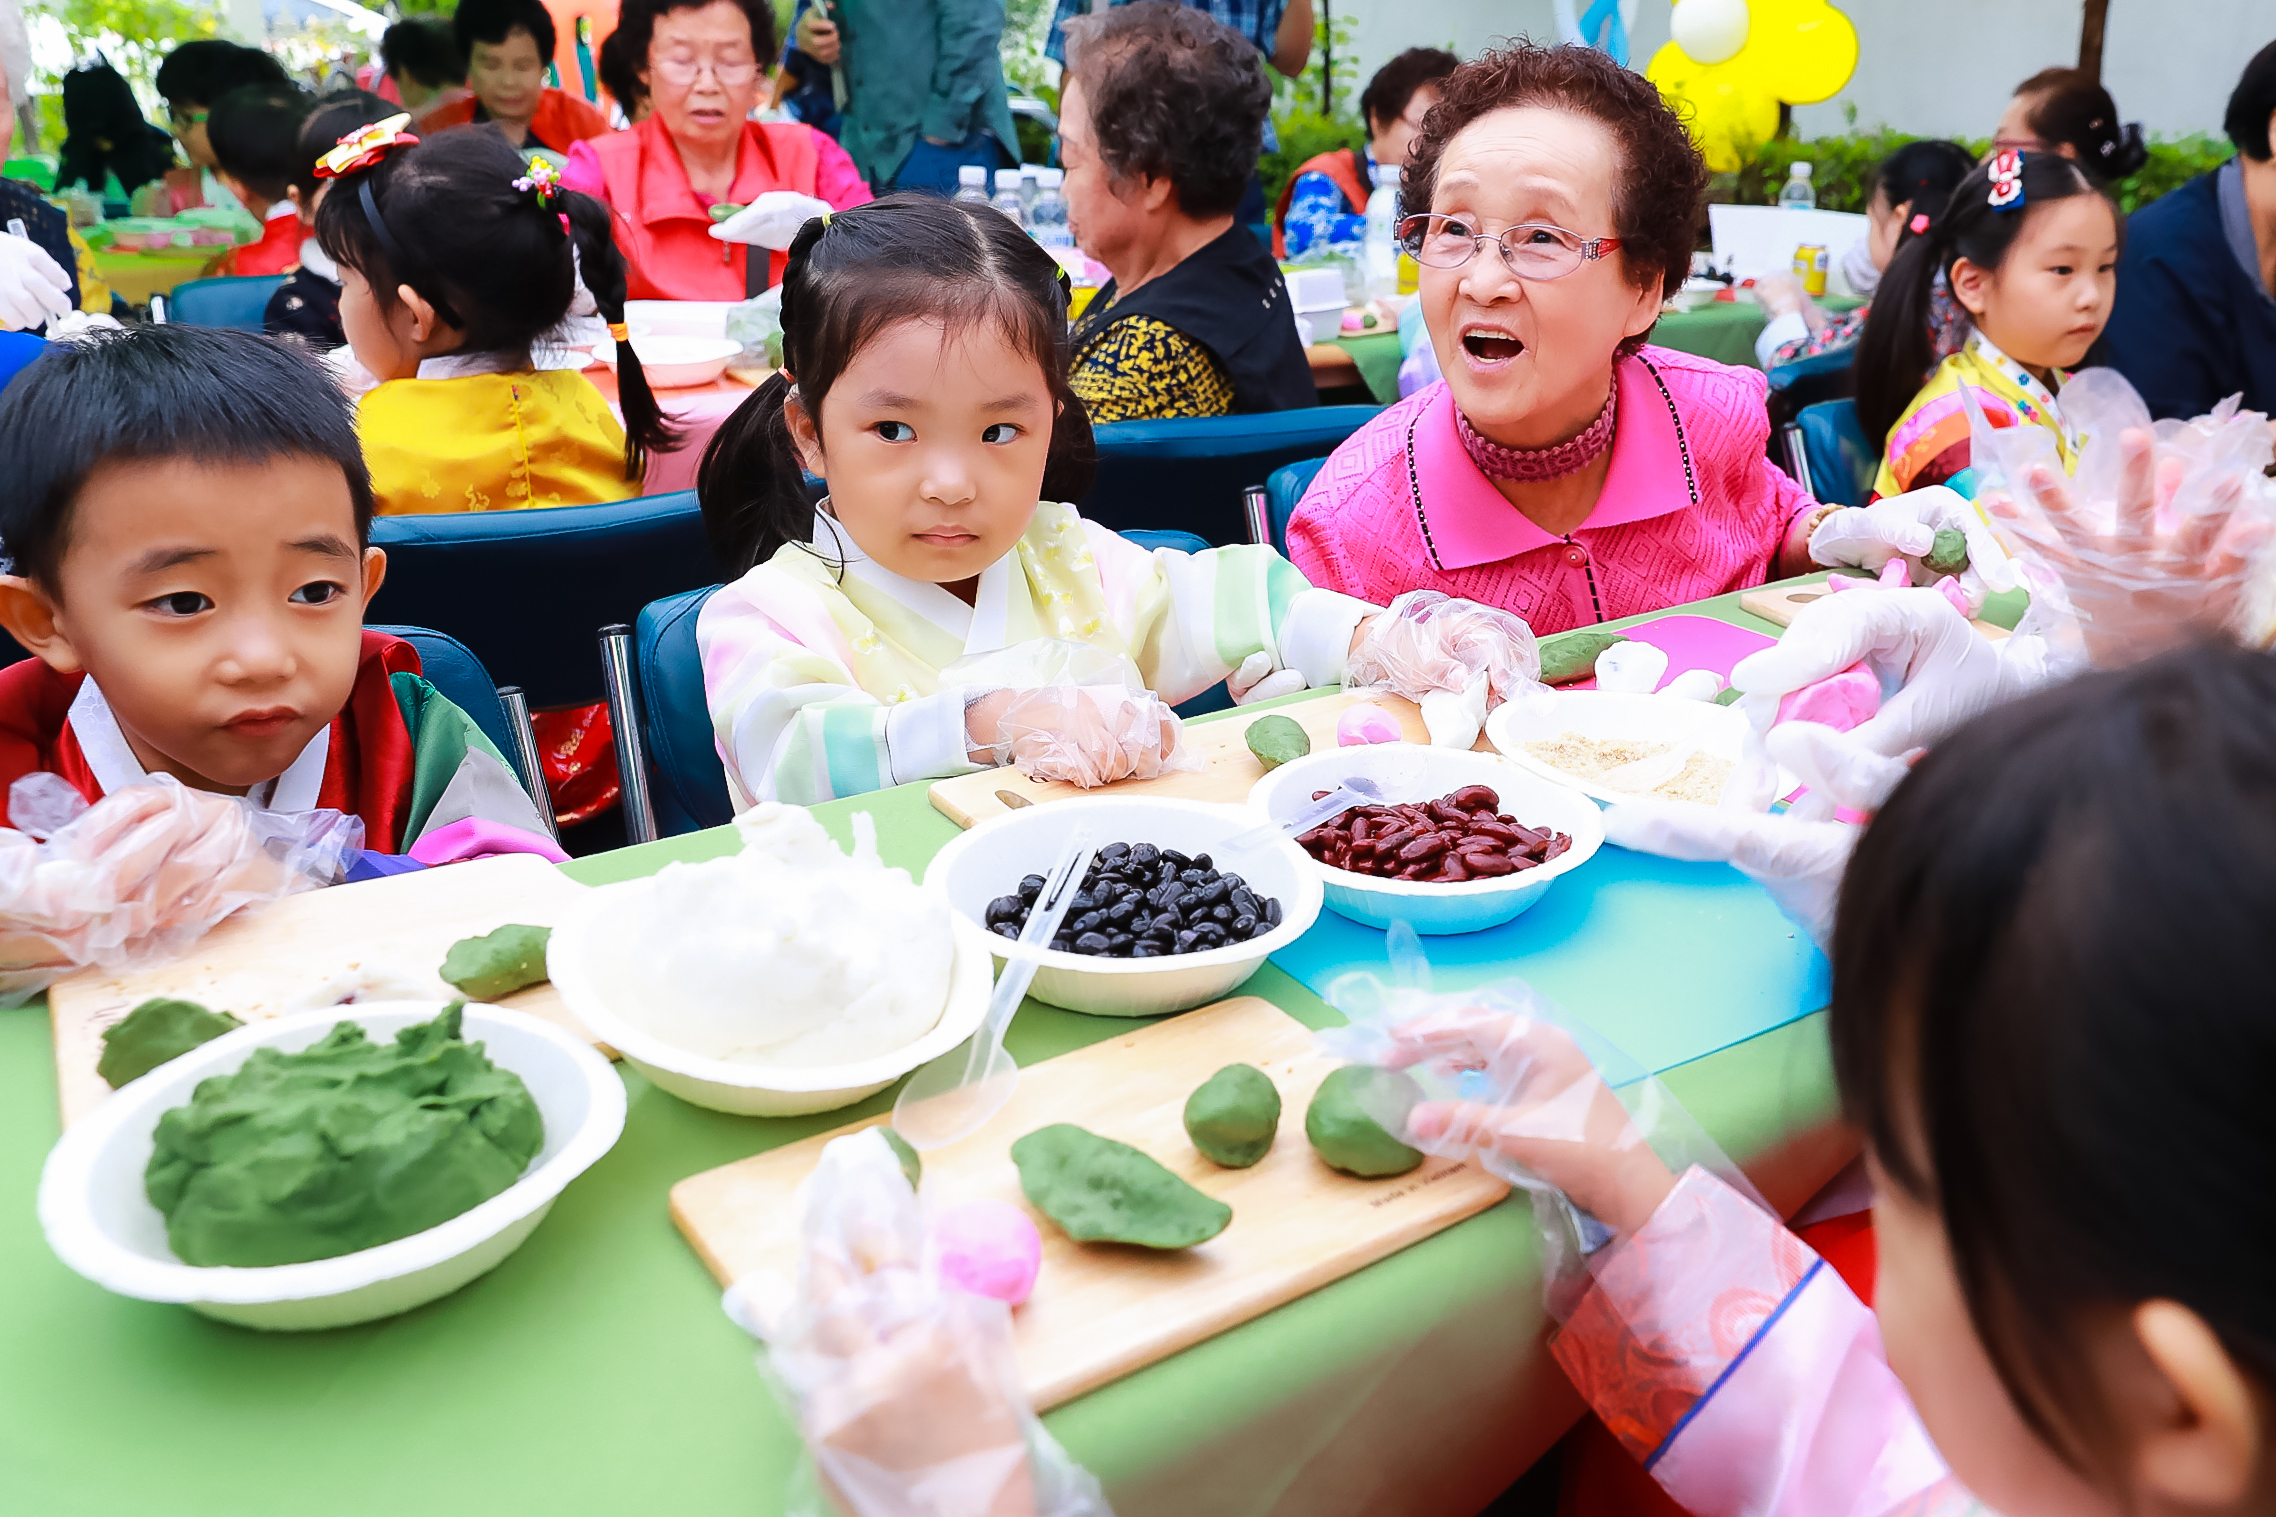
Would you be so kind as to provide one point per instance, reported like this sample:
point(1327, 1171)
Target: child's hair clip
point(365, 146)
point(543, 178)
point(1919, 223)
point(619, 333)
point(2006, 180)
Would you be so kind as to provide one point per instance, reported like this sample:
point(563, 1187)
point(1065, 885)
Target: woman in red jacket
point(700, 62)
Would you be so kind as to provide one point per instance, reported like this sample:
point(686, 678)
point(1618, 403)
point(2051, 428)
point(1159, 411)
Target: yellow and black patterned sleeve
point(1140, 369)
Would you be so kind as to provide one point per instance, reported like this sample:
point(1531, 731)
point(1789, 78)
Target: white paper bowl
point(678, 363)
point(1436, 910)
point(676, 318)
point(100, 1223)
point(603, 990)
point(990, 860)
point(1718, 730)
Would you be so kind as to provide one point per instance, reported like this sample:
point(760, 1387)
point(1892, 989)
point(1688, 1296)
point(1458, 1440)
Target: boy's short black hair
point(493, 21)
point(207, 394)
point(2250, 106)
point(335, 116)
point(1393, 88)
point(424, 48)
point(199, 73)
point(255, 132)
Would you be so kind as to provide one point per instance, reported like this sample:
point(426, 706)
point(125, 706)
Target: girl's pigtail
point(751, 483)
point(1071, 467)
point(647, 431)
point(1894, 354)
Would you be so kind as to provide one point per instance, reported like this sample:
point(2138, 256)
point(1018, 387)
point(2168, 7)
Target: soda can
point(1810, 264)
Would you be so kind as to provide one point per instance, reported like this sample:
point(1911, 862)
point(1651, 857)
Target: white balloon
point(1710, 31)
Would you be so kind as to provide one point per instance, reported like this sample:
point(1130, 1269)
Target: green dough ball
point(1728, 695)
point(911, 1165)
point(1101, 1191)
point(1233, 1116)
point(1950, 554)
point(1276, 739)
point(1571, 656)
point(499, 963)
point(342, 1146)
point(157, 1031)
point(1346, 1136)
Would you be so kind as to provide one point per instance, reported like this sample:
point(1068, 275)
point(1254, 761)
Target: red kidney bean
point(1459, 836)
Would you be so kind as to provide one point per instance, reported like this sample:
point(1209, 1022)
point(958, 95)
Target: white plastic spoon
point(955, 1094)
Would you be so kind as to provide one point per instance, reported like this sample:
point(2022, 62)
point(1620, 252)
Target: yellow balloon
point(1801, 51)
point(1725, 105)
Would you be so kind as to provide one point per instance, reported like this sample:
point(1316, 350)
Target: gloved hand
point(34, 289)
point(772, 220)
point(1256, 680)
point(905, 1389)
point(1086, 735)
point(1469, 657)
point(142, 873)
point(1905, 526)
point(2176, 554)
point(1799, 862)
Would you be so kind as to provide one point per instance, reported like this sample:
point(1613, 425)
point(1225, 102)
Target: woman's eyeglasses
point(686, 70)
point(1532, 250)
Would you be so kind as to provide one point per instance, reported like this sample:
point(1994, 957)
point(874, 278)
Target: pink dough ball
point(1366, 724)
point(989, 1248)
point(1841, 702)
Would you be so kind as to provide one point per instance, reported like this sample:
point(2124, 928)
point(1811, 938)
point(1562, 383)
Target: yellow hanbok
point(491, 442)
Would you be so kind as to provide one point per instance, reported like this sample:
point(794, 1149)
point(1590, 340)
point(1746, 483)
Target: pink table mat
point(1693, 642)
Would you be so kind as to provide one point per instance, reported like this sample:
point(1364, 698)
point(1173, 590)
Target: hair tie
point(2006, 181)
point(1919, 223)
point(619, 333)
point(543, 180)
point(825, 221)
point(364, 147)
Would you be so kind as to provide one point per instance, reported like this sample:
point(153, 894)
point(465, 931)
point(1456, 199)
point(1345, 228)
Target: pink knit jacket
point(1691, 506)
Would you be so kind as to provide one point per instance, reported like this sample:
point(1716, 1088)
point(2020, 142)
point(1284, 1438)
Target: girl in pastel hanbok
point(939, 610)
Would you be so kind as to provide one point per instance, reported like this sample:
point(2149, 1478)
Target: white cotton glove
point(1905, 526)
point(1799, 862)
point(772, 220)
point(1256, 680)
point(1090, 735)
point(34, 289)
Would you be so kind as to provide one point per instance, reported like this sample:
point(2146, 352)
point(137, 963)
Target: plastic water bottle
point(972, 185)
point(1382, 248)
point(1799, 194)
point(1007, 197)
point(1028, 188)
point(1047, 219)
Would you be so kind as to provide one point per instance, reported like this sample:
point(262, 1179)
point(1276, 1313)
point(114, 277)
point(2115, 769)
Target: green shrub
point(1842, 168)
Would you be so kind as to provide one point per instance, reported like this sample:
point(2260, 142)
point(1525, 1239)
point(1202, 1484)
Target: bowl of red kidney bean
point(1468, 842)
point(1193, 956)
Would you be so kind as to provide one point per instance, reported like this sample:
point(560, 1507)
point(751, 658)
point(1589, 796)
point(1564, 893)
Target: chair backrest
point(529, 591)
point(1184, 542)
point(690, 789)
point(1283, 490)
point(1808, 381)
point(451, 667)
point(1189, 473)
point(232, 301)
point(1840, 461)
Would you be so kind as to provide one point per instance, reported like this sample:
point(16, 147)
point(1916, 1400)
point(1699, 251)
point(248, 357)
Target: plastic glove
point(1089, 735)
point(1799, 862)
point(34, 289)
point(1427, 642)
point(1905, 526)
point(1256, 680)
point(772, 220)
point(906, 1390)
point(143, 873)
point(1936, 670)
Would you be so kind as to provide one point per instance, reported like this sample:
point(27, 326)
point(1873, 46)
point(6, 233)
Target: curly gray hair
point(1173, 94)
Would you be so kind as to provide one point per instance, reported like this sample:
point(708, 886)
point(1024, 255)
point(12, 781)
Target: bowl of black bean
point(1163, 919)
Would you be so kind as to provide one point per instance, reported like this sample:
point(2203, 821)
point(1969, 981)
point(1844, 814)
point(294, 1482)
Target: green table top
point(593, 1371)
point(1376, 355)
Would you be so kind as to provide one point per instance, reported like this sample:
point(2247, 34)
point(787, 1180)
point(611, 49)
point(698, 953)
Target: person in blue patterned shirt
point(1281, 29)
point(1325, 200)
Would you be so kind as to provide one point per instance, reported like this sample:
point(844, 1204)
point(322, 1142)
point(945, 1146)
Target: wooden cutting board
point(1101, 1311)
point(1779, 603)
point(1229, 769)
point(257, 962)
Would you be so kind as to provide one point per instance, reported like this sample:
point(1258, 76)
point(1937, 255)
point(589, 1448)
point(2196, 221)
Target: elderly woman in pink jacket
point(1564, 469)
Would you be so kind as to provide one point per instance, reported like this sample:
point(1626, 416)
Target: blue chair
point(17, 350)
point(1828, 455)
point(1191, 473)
point(1816, 366)
point(1272, 503)
point(688, 787)
point(529, 591)
point(232, 301)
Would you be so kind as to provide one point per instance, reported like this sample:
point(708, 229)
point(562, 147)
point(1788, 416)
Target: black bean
point(1187, 939)
point(1114, 850)
point(1272, 912)
point(1008, 929)
point(1146, 949)
point(1145, 854)
point(1176, 859)
point(1222, 913)
point(1244, 901)
point(1201, 861)
point(1245, 926)
point(1030, 887)
point(1005, 908)
point(1091, 942)
point(1122, 911)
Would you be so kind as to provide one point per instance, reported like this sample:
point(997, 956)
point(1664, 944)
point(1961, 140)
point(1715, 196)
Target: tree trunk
point(2095, 14)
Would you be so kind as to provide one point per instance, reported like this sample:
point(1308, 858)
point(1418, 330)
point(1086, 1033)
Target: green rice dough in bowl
point(342, 1146)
